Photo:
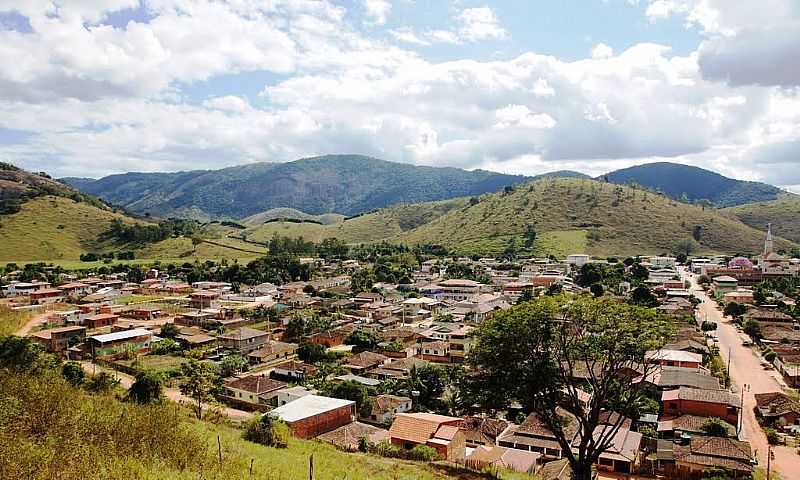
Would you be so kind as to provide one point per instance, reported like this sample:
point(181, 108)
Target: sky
point(95, 87)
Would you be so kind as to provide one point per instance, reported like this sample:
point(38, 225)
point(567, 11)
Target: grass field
point(783, 214)
point(12, 320)
point(53, 228)
point(53, 430)
point(159, 363)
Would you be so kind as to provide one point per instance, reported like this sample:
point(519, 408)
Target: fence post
point(311, 467)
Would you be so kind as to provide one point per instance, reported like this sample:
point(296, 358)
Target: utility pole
point(769, 458)
point(730, 349)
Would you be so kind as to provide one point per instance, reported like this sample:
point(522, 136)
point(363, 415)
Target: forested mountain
point(694, 184)
point(346, 184)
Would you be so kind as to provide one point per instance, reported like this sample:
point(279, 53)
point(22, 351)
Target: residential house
point(623, 452)
point(438, 352)
point(674, 358)
point(294, 371)
point(739, 296)
point(483, 430)
point(293, 393)
point(705, 403)
point(578, 260)
point(313, 415)
point(144, 313)
point(492, 456)
point(271, 351)
point(398, 369)
point(203, 299)
point(777, 408)
point(457, 289)
point(17, 289)
point(724, 284)
point(439, 432)
point(58, 340)
point(116, 344)
point(244, 340)
point(671, 378)
point(363, 362)
point(459, 343)
point(75, 289)
point(254, 390)
point(385, 407)
point(100, 320)
point(363, 381)
point(689, 425)
point(347, 437)
point(330, 338)
point(44, 296)
point(703, 453)
point(534, 436)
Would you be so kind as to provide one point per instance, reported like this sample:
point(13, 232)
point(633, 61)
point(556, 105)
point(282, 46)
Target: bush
point(73, 373)
point(772, 436)
point(422, 453)
point(770, 356)
point(708, 326)
point(715, 427)
point(267, 430)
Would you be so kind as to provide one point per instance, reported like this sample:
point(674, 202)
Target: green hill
point(346, 184)
point(44, 220)
point(614, 220)
point(676, 180)
point(783, 214)
point(568, 216)
point(383, 224)
point(290, 213)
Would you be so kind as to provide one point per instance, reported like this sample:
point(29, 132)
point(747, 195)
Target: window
point(607, 462)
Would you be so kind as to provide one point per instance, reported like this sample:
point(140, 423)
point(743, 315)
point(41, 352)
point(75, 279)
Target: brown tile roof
point(483, 430)
point(257, 384)
point(243, 333)
point(716, 452)
point(272, 348)
point(701, 395)
point(295, 366)
point(533, 425)
point(346, 437)
point(446, 432)
point(365, 360)
point(387, 403)
point(690, 423)
point(557, 470)
point(776, 404)
point(517, 460)
point(418, 427)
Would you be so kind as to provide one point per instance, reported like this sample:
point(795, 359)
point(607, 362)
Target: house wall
point(323, 423)
point(703, 409)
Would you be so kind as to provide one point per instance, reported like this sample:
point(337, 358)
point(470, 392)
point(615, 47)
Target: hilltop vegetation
point(51, 429)
point(291, 214)
point(617, 220)
point(379, 225)
point(345, 184)
point(694, 184)
point(783, 214)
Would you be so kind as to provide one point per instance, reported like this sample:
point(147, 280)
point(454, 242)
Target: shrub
point(715, 427)
point(772, 436)
point(422, 453)
point(708, 326)
point(267, 430)
point(770, 356)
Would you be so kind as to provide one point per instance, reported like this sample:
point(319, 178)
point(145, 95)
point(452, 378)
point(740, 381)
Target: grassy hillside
point(382, 224)
point(783, 214)
point(51, 430)
point(52, 228)
point(613, 219)
point(56, 228)
point(290, 213)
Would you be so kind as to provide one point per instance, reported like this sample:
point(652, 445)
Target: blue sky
point(106, 86)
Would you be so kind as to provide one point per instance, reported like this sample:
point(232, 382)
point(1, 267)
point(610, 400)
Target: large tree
point(546, 353)
point(200, 381)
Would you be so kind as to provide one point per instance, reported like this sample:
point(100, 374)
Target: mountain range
point(354, 184)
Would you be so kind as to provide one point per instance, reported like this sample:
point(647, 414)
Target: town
point(373, 352)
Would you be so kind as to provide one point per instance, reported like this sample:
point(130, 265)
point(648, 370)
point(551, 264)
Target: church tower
point(769, 244)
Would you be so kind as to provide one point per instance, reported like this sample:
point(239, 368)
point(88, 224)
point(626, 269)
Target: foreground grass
point(12, 320)
point(52, 430)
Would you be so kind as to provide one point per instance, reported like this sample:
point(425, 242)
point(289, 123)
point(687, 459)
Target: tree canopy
point(544, 352)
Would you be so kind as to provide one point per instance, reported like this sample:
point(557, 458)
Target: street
point(745, 369)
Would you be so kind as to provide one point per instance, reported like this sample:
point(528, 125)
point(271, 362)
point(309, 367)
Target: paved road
point(746, 369)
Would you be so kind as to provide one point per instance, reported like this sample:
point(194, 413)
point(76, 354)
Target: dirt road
point(746, 369)
point(173, 394)
point(37, 319)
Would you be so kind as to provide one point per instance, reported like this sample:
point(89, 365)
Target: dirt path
point(34, 321)
point(172, 394)
point(746, 369)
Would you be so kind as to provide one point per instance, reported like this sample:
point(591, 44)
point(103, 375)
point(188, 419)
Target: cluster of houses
point(432, 325)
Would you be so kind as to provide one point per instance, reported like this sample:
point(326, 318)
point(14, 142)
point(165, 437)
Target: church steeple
point(769, 244)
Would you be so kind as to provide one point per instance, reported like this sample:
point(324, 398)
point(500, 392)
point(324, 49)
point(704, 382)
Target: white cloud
point(521, 116)
point(480, 24)
point(601, 50)
point(377, 11)
point(99, 98)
